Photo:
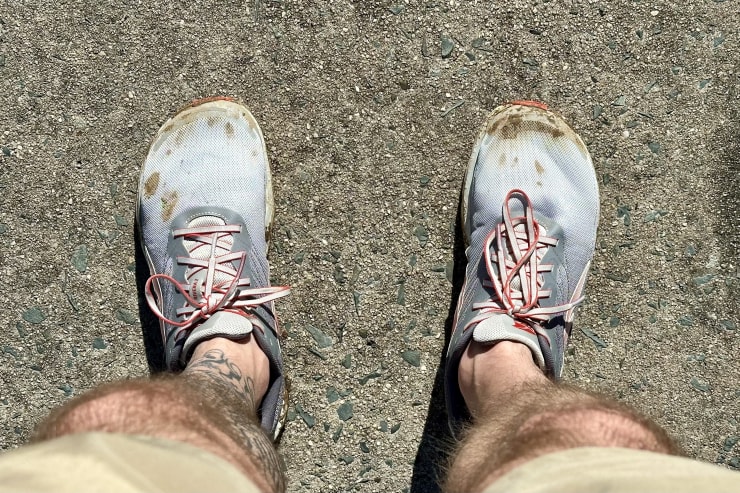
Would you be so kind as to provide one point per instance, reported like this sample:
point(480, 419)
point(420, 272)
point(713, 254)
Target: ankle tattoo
point(215, 365)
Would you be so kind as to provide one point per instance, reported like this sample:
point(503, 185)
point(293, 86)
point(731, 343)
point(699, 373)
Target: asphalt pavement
point(370, 110)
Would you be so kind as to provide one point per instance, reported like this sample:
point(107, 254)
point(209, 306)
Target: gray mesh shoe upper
point(530, 209)
point(205, 204)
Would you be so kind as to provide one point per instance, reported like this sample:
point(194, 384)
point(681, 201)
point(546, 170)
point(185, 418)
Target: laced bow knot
point(514, 272)
point(216, 284)
point(209, 307)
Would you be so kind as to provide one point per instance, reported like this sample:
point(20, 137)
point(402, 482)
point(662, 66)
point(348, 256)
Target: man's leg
point(205, 206)
point(529, 212)
point(212, 405)
point(518, 415)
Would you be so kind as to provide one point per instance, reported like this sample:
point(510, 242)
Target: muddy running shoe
point(529, 212)
point(205, 207)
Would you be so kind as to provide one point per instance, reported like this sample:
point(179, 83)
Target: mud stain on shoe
point(493, 125)
point(507, 123)
point(515, 125)
point(183, 133)
point(169, 202)
point(515, 120)
point(151, 184)
point(168, 128)
point(212, 120)
point(502, 161)
point(538, 167)
point(511, 127)
point(229, 129)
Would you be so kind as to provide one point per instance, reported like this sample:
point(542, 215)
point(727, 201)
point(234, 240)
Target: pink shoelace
point(520, 247)
point(223, 288)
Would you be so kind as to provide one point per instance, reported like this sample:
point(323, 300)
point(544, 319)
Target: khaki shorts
point(117, 463)
point(110, 462)
point(590, 469)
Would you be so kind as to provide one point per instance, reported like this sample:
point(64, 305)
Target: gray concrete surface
point(370, 109)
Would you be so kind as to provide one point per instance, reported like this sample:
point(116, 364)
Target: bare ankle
point(487, 374)
point(238, 364)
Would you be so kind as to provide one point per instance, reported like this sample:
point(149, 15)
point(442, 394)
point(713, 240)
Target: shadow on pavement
point(726, 146)
point(150, 330)
point(437, 441)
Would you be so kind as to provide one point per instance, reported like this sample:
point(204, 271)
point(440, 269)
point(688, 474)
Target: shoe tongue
point(221, 324)
point(201, 252)
point(502, 327)
point(494, 328)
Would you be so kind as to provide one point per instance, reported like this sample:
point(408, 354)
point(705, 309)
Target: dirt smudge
point(169, 202)
point(151, 184)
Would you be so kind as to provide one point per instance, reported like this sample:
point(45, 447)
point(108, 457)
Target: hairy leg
point(519, 415)
point(211, 405)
